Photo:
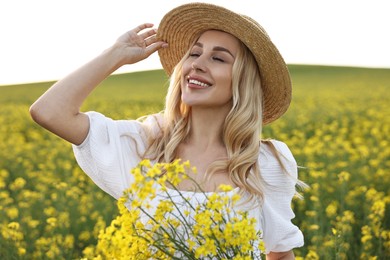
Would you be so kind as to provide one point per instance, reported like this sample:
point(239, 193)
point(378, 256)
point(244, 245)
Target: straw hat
point(181, 25)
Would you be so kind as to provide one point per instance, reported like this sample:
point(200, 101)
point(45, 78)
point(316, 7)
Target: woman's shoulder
point(273, 146)
point(275, 157)
point(152, 124)
point(152, 120)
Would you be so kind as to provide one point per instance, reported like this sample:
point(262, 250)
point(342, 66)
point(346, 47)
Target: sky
point(44, 40)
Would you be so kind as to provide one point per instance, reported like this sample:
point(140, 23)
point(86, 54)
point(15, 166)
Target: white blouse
point(112, 149)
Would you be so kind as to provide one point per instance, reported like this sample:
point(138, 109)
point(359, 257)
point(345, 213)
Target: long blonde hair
point(241, 130)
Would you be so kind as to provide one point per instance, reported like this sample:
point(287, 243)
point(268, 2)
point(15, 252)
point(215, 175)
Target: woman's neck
point(206, 127)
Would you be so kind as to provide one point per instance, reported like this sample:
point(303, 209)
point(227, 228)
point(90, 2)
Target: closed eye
point(194, 54)
point(218, 59)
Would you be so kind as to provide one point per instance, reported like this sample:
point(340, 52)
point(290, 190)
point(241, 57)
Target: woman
point(227, 80)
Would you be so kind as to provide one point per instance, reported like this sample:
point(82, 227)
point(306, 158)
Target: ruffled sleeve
point(111, 149)
point(279, 233)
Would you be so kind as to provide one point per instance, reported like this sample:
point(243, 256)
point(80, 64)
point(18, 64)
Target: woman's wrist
point(115, 55)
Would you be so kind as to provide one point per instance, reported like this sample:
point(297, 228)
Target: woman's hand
point(139, 43)
point(58, 109)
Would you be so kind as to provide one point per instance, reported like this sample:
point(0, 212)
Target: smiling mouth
point(198, 83)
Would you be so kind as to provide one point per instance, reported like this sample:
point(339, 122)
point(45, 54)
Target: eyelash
point(218, 59)
point(194, 55)
point(214, 58)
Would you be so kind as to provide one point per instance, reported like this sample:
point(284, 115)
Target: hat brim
point(181, 25)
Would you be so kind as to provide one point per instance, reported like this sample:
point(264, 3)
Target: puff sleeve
point(111, 149)
point(279, 233)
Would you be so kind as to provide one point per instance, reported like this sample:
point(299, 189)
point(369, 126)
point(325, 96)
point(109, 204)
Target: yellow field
point(338, 128)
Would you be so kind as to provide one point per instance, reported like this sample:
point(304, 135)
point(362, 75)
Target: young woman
point(227, 80)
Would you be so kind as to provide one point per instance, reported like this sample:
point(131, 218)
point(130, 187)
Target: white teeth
point(196, 82)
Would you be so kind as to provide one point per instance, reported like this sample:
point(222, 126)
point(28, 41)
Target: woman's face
point(207, 71)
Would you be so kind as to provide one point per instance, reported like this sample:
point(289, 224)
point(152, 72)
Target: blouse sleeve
point(279, 233)
point(111, 149)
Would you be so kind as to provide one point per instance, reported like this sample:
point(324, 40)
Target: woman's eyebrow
point(219, 48)
point(216, 48)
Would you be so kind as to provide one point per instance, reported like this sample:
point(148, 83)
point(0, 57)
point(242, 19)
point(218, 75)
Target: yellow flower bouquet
point(158, 221)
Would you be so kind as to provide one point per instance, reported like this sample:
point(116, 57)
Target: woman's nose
point(199, 64)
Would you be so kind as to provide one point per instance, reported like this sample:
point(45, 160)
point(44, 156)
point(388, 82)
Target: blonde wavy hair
point(241, 130)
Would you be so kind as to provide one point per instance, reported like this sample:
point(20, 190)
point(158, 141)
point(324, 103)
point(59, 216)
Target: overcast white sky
point(46, 39)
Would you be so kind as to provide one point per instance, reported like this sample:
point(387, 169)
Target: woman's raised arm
point(58, 109)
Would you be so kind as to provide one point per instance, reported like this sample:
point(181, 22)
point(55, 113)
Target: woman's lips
point(194, 82)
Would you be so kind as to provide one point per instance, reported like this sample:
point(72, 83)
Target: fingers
point(142, 27)
point(145, 34)
point(155, 47)
point(149, 36)
point(154, 43)
point(150, 40)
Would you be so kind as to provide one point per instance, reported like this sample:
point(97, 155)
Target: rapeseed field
point(338, 128)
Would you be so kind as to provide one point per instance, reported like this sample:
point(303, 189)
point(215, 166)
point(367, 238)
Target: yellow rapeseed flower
point(209, 228)
point(225, 188)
